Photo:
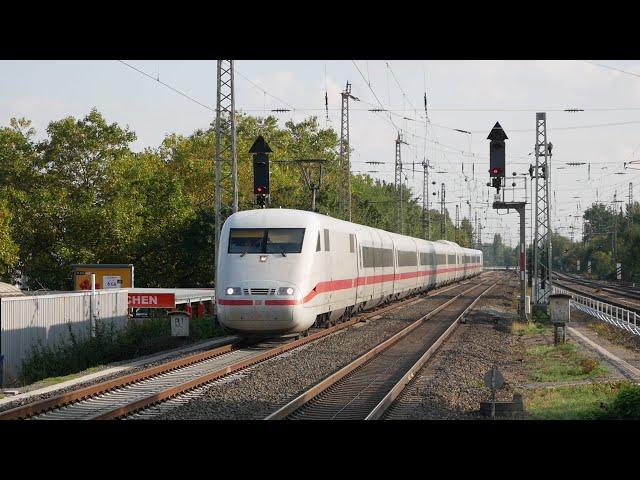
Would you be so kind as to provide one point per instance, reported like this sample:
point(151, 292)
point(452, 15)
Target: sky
point(464, 95)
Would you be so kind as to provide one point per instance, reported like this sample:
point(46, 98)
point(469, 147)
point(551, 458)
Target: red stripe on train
point(223, 301)
point(282, 302)
point(334, 285)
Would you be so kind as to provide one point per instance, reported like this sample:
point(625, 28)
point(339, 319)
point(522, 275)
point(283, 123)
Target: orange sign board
point(107, 276)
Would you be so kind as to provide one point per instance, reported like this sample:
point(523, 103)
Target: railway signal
point(497, 174)
point(497, 155)
point(260, 150)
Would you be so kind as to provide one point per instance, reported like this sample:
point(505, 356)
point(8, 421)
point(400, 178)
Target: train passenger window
point(367, 257)
point(427, 258)
point(377, 257)
point(407, 259)
point(442, 259)
point(451, 260)
point(352, 243)
point(326, 240)
point(387, 257)
point(318, 248)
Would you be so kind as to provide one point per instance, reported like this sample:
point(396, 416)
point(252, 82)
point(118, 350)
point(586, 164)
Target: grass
point(66, 360)
point(562, 363)
point(531, 328)
point(64, 378)
point(576, 402)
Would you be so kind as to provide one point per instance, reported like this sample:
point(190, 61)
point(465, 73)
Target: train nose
point(260, 306)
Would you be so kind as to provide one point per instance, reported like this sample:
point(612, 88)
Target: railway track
point(132, 393)
point(628, 290)
point(368, 386)
point(625, 297)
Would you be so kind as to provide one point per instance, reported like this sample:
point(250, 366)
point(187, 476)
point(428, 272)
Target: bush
point(111, 345)
point(626, 405)
point(540, 316)
point(588, 365)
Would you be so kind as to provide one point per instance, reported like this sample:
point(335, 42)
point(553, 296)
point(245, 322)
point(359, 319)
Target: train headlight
point(286, 291)
point(233, 291)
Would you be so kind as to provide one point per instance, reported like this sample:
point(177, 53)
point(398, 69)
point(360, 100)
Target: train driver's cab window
point(284, 240)
point(318, 247)
point(327, 247)
point(266, 240)
point(246, 240)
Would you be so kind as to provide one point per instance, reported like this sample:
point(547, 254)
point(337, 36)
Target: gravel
point(262, 389)
point(450, 385)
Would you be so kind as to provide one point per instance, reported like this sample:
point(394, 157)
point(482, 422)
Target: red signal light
point(259, 189)
point(495, 170)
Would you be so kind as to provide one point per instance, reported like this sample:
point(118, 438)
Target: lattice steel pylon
point(475, 232)
point(457, 230)
point(542, 253)
point(344, 168)
point(226, 187)
point(630, 209)
point(398, 183)
point(443, 223)
point(426, 217)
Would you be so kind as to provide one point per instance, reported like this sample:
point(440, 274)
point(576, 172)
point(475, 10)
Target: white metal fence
point(616, 316)
point(26, 322)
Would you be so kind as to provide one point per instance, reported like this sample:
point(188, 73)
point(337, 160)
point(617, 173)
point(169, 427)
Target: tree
point(8, 248)
point(82, 196)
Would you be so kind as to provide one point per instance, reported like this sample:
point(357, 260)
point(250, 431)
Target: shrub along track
point(122, 396)
point(366, 387)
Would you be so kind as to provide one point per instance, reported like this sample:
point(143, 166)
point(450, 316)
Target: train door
point(363, 291)
point(387, 271)
point(328, 264)
point(356, 276)
point(376, 278)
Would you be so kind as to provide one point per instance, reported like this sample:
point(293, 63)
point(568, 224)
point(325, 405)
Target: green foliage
point(111, 345)
point(83, 196)
point(8, 248)
point(540, 317)
point(626, 405)
point(603, 225)
point(572, 402)
point(498, 254)
point(549, 363)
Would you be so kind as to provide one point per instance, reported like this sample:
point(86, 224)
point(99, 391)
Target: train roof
point(305, 216)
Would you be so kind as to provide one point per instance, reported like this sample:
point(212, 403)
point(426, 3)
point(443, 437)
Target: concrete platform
point(625, 359)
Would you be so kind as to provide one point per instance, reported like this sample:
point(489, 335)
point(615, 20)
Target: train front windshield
point(265, 240)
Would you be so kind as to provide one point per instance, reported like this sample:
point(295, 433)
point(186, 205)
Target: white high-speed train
point(281, 270)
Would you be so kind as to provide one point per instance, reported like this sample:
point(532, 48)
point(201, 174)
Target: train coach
point(282, 271)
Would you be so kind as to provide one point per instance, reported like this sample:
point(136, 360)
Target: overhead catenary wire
point(170, 87)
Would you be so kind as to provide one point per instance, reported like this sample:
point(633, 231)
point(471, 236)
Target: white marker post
point(619, 271)
point(92, 305)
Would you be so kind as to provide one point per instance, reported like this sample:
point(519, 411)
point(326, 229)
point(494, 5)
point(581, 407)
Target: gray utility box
point(179, 323)
point(560, 308)
point(560, 313)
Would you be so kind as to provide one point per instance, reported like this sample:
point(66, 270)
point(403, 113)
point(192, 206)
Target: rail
point(360, 390)
point(121, 396)
point(612, 314)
